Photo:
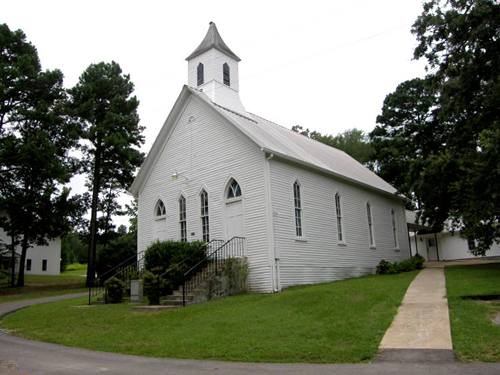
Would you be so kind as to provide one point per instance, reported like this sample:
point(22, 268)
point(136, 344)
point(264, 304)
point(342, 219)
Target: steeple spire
point(213, 40)
point(213, 69)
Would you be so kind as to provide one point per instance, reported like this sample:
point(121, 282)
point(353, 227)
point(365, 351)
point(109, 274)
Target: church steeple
point(212, 40)
point(213, 69)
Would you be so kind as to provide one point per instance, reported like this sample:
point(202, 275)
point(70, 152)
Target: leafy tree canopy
point(35, 139)
point(437, 138)
point(353, 142)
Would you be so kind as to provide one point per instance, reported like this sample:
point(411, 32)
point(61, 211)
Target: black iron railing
point(130, 268)
point(133, 268)
point(212, 264)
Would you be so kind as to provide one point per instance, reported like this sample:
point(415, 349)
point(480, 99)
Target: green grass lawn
point(475, 337)
point(70, 281)
point(336, 322)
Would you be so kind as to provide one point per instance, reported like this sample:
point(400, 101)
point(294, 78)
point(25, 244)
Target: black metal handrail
point(183, 261)
point(212, 263)
point(125, 268)
point(120, 271)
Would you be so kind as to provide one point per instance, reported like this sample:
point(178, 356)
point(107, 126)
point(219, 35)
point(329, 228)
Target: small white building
point(309, 213)
point(41, 260)
point(442, 246)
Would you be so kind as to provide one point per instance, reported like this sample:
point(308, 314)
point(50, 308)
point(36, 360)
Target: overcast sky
point(326, 65)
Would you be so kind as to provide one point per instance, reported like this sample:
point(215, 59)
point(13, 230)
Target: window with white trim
point(160, 210)
point(205, 225)
point(370, 224)
point(298, 209)
point(394, 229)
point(338, 210)
point(233, 190)
point(182, 218)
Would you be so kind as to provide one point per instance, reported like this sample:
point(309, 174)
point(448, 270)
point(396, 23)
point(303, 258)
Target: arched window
point(370, 224)
point(160, 210)
point(233, 190)
point(338, 210)
point(298, 209)
point(205, 226)
point(199, 74)
point(394, 229)
point(226, 75)
point(182, 218)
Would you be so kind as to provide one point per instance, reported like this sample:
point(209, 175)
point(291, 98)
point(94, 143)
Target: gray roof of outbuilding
point(213, 40)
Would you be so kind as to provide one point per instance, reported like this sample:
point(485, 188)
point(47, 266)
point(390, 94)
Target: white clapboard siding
point(206, 151)
point(318, 257)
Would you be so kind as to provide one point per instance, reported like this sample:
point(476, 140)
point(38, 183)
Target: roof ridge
point(236, 113)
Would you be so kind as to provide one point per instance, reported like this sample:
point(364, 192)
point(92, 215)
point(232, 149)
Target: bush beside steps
point(389, 268)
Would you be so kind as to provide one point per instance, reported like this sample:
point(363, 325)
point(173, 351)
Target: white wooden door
point(234, 219)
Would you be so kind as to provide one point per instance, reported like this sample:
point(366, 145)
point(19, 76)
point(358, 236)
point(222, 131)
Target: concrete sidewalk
point(422, 321)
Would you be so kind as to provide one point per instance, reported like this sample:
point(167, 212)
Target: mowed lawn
point(475, 337)
point(70, 281)
point(342, 321)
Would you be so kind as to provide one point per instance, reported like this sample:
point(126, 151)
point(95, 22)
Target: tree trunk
point(13, 262)
point(24, 250)
point(96, 181)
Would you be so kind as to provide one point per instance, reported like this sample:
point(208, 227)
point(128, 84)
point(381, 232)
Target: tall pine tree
point(106, 109)
point(35, 139)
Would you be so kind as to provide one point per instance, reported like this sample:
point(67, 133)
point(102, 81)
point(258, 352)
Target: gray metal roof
point(275, 139)
point(213, 40)
point(285, 143)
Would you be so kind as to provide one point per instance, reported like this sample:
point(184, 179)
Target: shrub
point(114, 290)
point(235, 273)
point(172, 259)
point(383, 267)
point(413, 263)
point(115, 252)
point(152, 285)
point(419, 261)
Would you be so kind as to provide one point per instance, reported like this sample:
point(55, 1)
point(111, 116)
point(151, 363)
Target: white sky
point(326, 65)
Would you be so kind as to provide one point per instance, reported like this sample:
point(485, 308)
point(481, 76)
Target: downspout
point(273, 253)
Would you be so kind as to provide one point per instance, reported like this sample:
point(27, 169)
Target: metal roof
point(287, 144)
point(213, 40)
point(273, 139)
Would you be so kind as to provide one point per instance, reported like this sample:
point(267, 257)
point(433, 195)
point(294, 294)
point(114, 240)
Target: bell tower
point(213, 69)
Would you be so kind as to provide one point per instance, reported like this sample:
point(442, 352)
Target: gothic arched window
point(226, 74)
point(205, 226)
point(199, 74)
point(160, 210)
point(233, 190)
point(298, 209)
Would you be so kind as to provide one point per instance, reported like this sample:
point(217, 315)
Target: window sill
point(158, 218)
point(342, 243)
point(300, 239)
point(232, 200)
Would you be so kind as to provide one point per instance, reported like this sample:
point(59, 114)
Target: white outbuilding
point(308, 212)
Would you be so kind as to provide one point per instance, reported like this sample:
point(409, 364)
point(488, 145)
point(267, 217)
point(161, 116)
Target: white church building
point(309, 213)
